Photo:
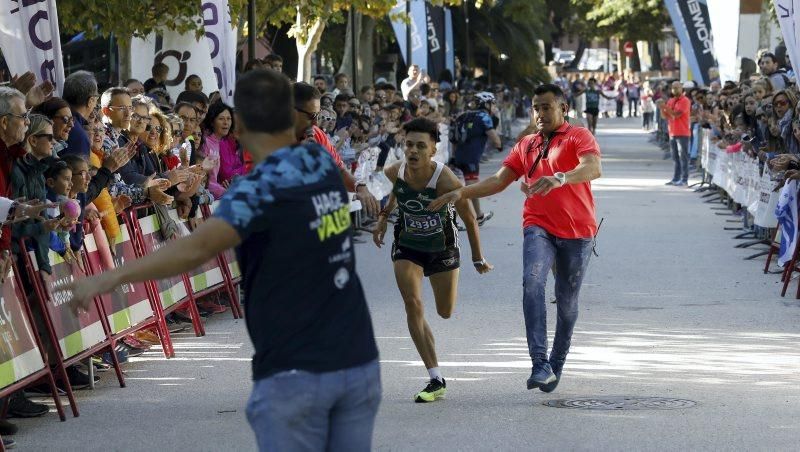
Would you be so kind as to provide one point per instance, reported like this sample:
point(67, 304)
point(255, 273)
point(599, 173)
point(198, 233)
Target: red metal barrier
point(22, 358)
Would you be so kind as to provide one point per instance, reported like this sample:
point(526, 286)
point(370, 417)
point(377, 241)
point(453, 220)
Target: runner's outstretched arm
point(447, 183)
point(383, 219)
point(487, 187)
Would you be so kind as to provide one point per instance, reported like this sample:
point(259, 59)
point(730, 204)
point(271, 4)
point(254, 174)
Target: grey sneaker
point(542, 374)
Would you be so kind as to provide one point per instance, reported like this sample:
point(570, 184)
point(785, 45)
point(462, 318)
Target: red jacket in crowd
point(7, 157)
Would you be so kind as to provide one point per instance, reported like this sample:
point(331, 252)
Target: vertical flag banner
point(184, 54)
point(418, 24)
point(30, 40)
point(450, 50)
point(693, 26)
point(437, 45)
point(724, 17)
point(221, 39)
point(787, 11)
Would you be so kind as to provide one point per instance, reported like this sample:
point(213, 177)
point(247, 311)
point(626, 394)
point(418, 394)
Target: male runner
point(475, 128)
point(593, 103)
point(557, 165)
point(317, 380)
point(426, 241)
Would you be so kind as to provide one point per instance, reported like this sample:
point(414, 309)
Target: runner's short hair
point(264, 101)
point(423, 125)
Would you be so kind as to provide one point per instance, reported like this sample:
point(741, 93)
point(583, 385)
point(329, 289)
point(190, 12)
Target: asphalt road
point(669, 309)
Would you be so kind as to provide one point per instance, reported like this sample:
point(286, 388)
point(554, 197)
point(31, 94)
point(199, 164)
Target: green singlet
point(418, 228)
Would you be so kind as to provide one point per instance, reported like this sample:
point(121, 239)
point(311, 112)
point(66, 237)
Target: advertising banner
point(693, 27)
point(30, 40)
point(221, 38)
point(182, 53)
point(75, 332)
point(19, 354)
point(128, 305)
point(172, 290)
point(207, 275)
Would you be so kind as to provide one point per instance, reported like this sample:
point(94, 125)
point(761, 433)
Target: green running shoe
point(435, 390)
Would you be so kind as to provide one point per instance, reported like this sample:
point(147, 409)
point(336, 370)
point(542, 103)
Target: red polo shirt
point(566, 212)
point(322, 139)
point(679, 127)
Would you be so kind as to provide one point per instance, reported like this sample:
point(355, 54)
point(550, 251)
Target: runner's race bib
point(423, 224)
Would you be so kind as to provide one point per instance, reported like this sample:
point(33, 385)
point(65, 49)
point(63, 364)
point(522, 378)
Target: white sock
point(435, 374)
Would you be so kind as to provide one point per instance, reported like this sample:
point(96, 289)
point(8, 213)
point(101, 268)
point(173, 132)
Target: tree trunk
point(306, 45)
point(366, 53)
point(764, 26)
point(124, 54)
point(346, 66)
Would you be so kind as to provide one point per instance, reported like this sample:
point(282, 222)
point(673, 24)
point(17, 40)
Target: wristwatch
point(561, 177)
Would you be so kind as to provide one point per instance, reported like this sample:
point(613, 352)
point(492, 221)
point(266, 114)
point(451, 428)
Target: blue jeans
point(304, 411)
point(680, 155)
point(571, 258)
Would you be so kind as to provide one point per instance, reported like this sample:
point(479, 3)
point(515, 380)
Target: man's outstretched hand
point(447, 198)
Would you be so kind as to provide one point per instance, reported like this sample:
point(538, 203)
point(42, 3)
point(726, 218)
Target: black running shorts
point(431, 263)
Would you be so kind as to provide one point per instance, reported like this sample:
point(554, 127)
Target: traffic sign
point(628, 48)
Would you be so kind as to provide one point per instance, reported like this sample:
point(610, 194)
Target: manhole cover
point(622, 403)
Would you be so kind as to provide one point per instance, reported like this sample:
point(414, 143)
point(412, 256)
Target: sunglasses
point(65, 119)
point(156, 129)
point(780, 103)
point(138, 118)
point(49, 136)
point(177, 132)
point(313, 117)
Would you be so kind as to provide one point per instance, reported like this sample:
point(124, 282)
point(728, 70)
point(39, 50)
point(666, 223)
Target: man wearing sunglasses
point(306, 114)
point(557, 165)
point(14, 122)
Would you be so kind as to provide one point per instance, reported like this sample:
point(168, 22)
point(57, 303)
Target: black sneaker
point(78, 379)
point(435, 390)
point(174, 325)
point(484, 218)
point(22, 407)
point(7, 428)
point(9, 443)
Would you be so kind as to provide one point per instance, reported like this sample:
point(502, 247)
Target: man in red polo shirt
point(556, 165)
point(676, 112)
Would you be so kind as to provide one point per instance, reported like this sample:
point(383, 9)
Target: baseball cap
point(380, 80)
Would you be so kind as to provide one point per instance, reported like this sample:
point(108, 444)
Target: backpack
point(462, 129)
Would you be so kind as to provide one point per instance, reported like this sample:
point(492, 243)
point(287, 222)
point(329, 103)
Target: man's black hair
point(303, 92)
point(192, 97)
point(550, 88)
point(768, 55)
point(180, 105)
point(273, 57)
point(341, 98)
point(264, 101)
point(423, 125)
